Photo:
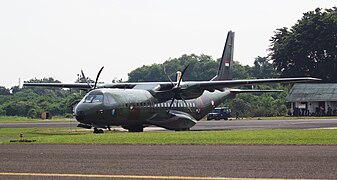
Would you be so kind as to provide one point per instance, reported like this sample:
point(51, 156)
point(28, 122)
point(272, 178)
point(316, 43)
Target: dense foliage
point(309, 48)
point(31, 101)
point(201, 67)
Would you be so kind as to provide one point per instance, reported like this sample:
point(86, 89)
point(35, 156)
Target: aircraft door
point(110, 110)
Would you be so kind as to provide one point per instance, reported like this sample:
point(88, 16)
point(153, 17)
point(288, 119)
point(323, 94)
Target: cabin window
point(109, 99)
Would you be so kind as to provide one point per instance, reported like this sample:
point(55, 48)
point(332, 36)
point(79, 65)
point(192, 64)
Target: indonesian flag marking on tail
point(227, 63)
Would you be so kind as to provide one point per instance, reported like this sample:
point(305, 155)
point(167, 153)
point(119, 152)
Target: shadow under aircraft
point(171, 105)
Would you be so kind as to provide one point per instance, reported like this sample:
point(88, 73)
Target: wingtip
point(314, 79)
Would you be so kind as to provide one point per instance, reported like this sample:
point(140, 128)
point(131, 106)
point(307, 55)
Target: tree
point(4, 91)
point(201, 67)
point(263, 69)
point(309, 48)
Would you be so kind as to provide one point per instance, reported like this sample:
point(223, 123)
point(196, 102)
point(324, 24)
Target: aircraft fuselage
point(137, 107)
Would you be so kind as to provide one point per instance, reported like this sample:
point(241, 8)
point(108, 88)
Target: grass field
point(290, 118)
point(79, 136)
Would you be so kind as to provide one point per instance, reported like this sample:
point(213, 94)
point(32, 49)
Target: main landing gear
point(134, 128)
point(98, 131)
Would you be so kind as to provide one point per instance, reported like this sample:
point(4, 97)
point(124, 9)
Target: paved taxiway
point(158, 161)
point(210, 125)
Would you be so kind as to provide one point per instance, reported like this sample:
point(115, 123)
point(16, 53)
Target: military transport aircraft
point(171, 105)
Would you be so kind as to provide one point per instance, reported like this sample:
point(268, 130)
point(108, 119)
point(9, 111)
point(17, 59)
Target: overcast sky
point(58, 38)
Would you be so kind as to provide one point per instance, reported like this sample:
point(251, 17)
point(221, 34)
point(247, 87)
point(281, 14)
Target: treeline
point(32, 101)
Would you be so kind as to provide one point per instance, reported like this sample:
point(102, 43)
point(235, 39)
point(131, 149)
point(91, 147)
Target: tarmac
point(167, 161)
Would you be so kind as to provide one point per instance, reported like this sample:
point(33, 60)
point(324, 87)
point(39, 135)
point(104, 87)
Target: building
point(313, 99)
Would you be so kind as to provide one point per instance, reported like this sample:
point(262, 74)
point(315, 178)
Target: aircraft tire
point(98, 131)
point(135, 128)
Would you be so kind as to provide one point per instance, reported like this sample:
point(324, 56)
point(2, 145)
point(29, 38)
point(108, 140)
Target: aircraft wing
point(191, 90)
point(206, 85)
point(60, 85)
point(219, 85)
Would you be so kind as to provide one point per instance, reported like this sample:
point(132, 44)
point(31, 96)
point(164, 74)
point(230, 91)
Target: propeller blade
point(182, 75)
point(172, 102)
point(99, 73)
point(186, 103)
point(86, 80)
point(167, 74)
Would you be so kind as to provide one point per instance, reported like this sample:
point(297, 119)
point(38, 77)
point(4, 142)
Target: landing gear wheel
point(98, 131)
point(135, 128)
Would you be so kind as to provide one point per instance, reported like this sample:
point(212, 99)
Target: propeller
point(177, 90)
point(168, 75)
point(86, 80)
point(99, 73)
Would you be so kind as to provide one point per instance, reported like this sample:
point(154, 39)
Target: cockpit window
point(93, 99)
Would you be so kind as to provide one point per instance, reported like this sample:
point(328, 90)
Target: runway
point(208, 125)
point(159, 161)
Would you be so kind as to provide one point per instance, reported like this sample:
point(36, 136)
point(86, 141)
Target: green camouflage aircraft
point(171, 105)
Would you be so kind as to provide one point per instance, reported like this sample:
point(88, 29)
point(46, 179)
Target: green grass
point(18, 119)
point(287, 118)
point(282, 118)
point(79, 136)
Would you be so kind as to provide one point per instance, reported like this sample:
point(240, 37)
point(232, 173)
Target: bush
point(32, 114)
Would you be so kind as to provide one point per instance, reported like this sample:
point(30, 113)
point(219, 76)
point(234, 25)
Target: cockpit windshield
point(97, 98)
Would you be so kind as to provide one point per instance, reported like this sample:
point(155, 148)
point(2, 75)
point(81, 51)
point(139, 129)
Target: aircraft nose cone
point(80, 116)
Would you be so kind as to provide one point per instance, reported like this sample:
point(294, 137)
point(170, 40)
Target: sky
point(58, 38)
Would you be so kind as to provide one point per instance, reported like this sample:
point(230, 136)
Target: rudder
point(226, 62)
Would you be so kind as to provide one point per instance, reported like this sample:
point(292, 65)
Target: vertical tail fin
point(226, 62)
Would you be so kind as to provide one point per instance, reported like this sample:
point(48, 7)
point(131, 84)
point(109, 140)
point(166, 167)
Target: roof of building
point(307, 92)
